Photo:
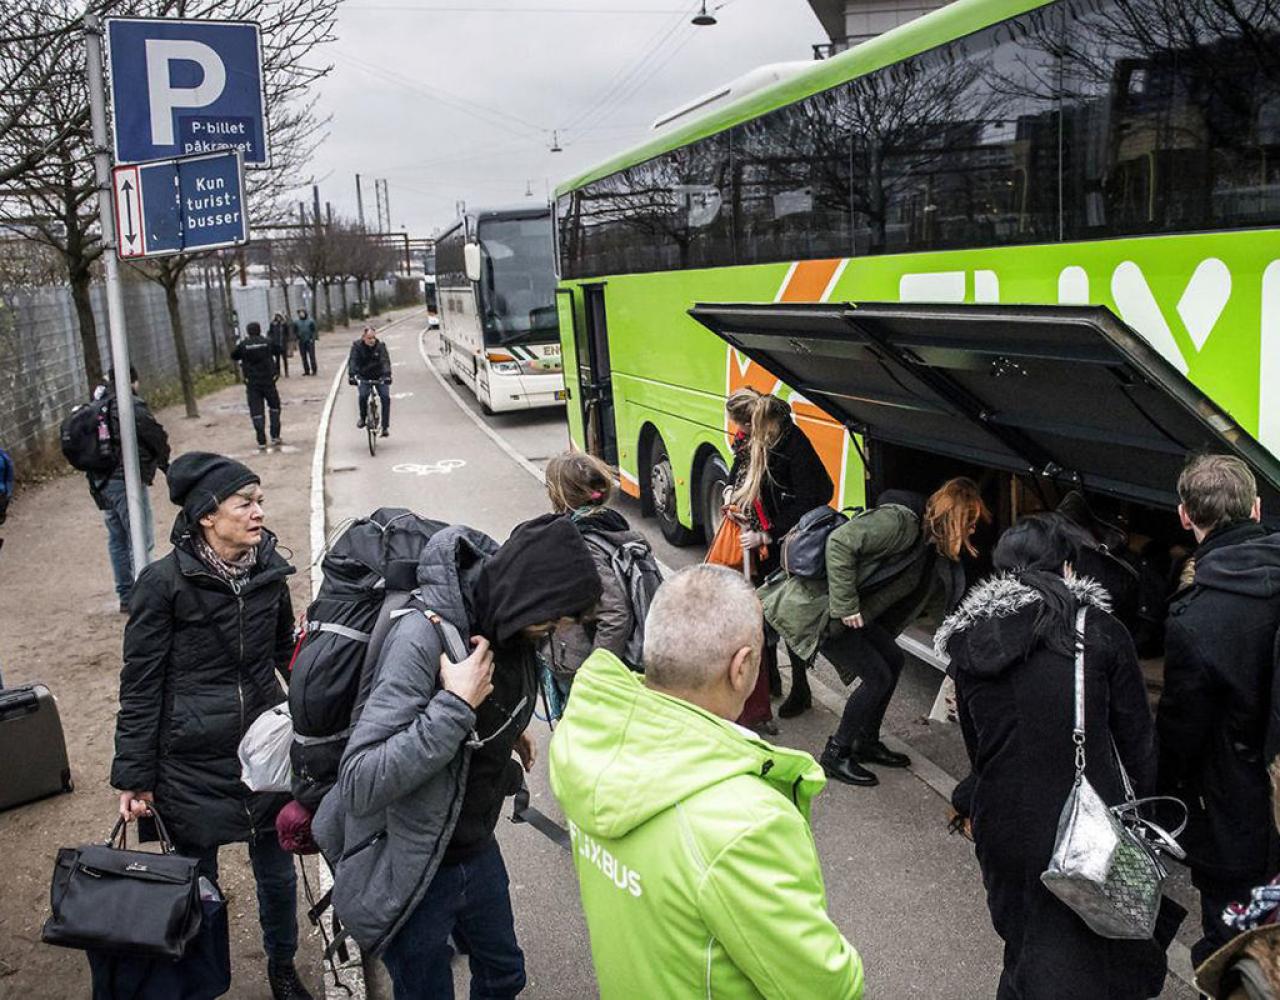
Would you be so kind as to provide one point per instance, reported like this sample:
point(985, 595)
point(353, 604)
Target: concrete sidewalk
point(59, 625)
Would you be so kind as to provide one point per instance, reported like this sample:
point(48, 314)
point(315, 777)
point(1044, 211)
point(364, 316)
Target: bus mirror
point(471, 259)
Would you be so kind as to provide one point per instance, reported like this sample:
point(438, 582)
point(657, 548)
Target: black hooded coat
point(1015, 697)
point(1216, 720)
point(200, 665)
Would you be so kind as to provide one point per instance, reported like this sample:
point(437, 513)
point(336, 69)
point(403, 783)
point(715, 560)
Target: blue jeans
point(470, 901)
point(277, 884)
point(116, 517)
point(384, 394)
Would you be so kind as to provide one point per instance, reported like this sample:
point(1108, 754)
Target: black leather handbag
point(108, 898)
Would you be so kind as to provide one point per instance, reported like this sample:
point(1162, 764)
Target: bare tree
point(47, 189)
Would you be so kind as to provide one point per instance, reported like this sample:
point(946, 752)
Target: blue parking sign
point(185, 87)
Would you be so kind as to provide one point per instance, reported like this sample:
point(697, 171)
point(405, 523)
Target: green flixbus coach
point(1034, 243)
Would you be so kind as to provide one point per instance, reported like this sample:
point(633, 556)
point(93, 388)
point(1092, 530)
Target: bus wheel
point(662, 486)
point(711, 484)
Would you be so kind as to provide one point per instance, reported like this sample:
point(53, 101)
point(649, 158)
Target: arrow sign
point(186, 203)
point(128, 203)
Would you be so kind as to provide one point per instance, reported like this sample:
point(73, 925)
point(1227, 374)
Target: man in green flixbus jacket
point(691, 837)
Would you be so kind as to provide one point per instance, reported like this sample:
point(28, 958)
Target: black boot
point(875, 752)
point(775, 677)
point(285, 984)
point(799, 700)
point(836, 763)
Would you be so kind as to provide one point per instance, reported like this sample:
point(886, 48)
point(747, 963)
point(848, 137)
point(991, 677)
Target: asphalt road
point(907, 894)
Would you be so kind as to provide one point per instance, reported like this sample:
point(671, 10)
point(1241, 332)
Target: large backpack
point(369, 573)
point(86, 437)
point(636, 568)
point(6, 483)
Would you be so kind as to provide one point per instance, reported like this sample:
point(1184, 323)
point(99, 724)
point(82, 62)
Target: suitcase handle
point(15, 704)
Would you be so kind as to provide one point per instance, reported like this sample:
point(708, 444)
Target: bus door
point(595, 376)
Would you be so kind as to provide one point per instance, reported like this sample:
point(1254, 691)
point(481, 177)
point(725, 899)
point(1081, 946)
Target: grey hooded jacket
point(386, 823)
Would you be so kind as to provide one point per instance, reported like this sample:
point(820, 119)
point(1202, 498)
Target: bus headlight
point(505, 367)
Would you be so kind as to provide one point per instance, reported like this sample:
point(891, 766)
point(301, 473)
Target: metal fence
point(42, 374)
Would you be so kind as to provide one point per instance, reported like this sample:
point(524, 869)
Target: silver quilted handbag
point(1106, 861)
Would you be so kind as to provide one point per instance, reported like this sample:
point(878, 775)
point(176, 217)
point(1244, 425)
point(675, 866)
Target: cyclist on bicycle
point(369, 366)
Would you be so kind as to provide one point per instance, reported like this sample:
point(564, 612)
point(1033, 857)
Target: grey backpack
point(804, 548)
point(634, 564)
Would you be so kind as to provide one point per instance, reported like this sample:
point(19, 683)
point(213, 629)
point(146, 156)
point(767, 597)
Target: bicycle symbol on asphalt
point(445, 466)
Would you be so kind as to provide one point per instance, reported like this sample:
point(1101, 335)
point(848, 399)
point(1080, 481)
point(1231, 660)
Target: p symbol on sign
point(165, 98)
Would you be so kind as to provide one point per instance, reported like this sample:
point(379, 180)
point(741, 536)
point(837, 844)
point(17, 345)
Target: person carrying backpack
point(580, 486)
point(854, 613)
point(409, 826)
point(258, 363)
point(91, 443)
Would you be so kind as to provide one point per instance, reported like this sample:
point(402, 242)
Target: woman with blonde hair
point(580, 487)
point(883, 566)
point(776, 478)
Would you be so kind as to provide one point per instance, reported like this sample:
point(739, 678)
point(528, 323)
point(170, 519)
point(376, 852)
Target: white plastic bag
point(264, 751)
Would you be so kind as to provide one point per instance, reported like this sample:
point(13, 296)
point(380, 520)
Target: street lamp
point(702, 19)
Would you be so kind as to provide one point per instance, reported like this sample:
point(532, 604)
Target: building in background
point(849, 22)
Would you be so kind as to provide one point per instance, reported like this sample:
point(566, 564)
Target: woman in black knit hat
point(210, 625)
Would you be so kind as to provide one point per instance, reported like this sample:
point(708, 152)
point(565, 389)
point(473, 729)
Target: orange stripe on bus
point(809, 280)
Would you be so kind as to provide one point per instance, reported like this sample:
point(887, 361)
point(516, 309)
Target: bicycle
point(373, 412)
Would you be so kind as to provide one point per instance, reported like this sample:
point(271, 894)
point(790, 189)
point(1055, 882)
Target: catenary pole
point(115, 299)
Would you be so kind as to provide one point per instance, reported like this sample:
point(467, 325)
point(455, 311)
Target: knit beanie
point(200, 480)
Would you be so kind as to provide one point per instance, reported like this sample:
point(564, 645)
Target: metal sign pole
point(115, 300)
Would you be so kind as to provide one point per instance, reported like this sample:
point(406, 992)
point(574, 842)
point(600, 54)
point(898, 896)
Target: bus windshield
point(518, 286)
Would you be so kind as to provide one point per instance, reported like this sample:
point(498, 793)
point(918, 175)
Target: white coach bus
point(496, 284)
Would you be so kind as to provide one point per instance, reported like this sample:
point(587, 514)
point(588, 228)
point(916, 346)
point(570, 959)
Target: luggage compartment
point(1032, 402)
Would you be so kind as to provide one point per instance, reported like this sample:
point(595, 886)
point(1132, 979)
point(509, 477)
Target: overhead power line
point(492, 116)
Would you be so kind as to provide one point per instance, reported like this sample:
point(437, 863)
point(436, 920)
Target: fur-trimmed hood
point(989, 631)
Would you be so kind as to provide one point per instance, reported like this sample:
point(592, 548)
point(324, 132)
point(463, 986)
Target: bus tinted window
point(1171, 116)
point(959, 147)
point(791, 182)
point(450, 263)
point(518, 289)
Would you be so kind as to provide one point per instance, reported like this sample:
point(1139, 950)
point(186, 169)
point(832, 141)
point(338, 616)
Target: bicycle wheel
point(373, 421)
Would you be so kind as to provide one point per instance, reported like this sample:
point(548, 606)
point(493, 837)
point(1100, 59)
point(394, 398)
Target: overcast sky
point(457, 99)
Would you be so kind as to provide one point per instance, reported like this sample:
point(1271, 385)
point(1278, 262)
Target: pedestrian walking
point(208, 640)
point(1012, 649)
point(690, 835)
point(883, 567)
point(369, 368)
point(304, 332)
point(258, 363)
point(580, 487)
point(278, 336)
point(108, 492)
point(410, 823)
point(1215, 713)
point(775, 479)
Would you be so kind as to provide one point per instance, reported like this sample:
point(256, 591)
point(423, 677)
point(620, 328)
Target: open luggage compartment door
point(1068, 393)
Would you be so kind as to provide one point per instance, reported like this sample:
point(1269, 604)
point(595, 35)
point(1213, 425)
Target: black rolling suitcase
point(31, 746)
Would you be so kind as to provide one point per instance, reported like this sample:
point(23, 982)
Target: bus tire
point(486, 409)
point(711, 483)
point(662, 486)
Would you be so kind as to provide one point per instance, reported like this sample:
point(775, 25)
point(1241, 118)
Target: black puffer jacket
point(200, 665)
point(1217, 700)
point(1015, 697)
